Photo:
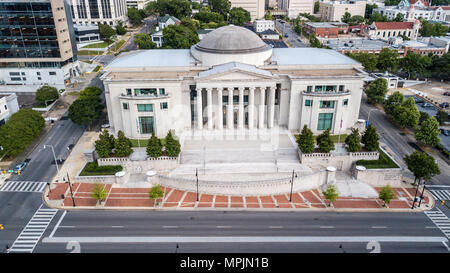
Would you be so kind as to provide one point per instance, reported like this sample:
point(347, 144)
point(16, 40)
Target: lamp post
point(196, 175)
point(421, 196)
point(70, 186)
point(415, 195)
point(54, 156)
point(292, 184)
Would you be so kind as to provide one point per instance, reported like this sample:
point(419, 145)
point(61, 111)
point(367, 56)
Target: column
point(219, 109)
point(230, 122)
point(199, 109)
point(271, 106)
point(209, 107)
point(262, 102)
point(241, 108)
point(251, 105)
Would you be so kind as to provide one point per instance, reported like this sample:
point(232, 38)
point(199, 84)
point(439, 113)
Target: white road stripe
point(245, 239)
point(223, 226)
point(57, 224)
point(326, 227)
point(170, 226)
point(378, 226)
point(275, 226)
point(23, 186)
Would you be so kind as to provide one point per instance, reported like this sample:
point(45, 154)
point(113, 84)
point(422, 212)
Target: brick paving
point(175, 198)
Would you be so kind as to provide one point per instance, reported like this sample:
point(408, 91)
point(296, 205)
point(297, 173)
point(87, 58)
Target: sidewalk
point(137, 198)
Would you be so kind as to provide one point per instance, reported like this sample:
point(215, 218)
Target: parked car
point(285, 35)
point(427, 105)
point(445, 132)
point(417, 100)
point(20, 167)
point(446, 94)
point(444, 105)
point(104, 126)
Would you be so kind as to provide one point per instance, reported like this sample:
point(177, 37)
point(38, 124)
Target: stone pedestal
point(89, 155)
point(120, 177)
point(331, 177)
point(150, 175)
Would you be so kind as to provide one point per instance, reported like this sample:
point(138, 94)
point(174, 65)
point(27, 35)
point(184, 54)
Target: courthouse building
point(232, 80)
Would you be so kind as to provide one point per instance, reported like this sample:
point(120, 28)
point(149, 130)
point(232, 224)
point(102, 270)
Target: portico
point(235, 107)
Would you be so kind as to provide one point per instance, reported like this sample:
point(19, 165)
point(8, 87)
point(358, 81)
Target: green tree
point(178, 36)
point(177, 8)
point(268, 15)
point(440, 66)
point(353, 141)
point(105, 144)
point(423, 116)
point(407, 113)
point(47, 93)
point(324, 142)
point(386, 194)
point(220, 6)
point(239, 16)
point(134, 16)
point(305, 141)
point(89, 92)
point(432, 29)
point(206, 16)
point(370, 139)
point(369, 9)
point(369, 61)
point(20, 130)
point(355, 20)
point(106, 32)
point(122, 145)
point(120, 29)
point(399, 18)
point(144, 41)
point(84, 111)
point(314, 42)
point(428, 132)
point(376, 91)
point(99, 192)
point(155, 193)
point(331, 194)
point(387, 60)
point(392, 102)
point(414, 64)
point(441, 117)
point(316, 7)
point(173, 146)
point(421, 165)
point(377, 17)
point(346, 17)
point(154, 147)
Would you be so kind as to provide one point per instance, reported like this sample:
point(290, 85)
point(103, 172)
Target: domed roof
point(231, 40)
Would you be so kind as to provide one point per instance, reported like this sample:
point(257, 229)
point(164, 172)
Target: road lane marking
point(431, 227)
point(170, 226)
point(326, 227)
point(117, 226)
point(223, 226)
point(378, 226)
point(66, 226)
point(247, 239)
point(57, 224)
point(275, 226)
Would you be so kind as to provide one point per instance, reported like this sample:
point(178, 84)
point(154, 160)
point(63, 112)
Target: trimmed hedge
point(384, 162)
point(92, 168)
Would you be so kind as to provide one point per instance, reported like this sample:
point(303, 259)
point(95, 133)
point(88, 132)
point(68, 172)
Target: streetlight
point(70, 186)
point(415, 195)
point(292, 184)
point(196, 175)
point(421, 196)
point(54, 156)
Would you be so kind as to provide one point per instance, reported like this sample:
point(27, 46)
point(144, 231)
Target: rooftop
point(156, 57)
point(309, 56)
point(163, 19)
point(217, 69)
point(394, 25)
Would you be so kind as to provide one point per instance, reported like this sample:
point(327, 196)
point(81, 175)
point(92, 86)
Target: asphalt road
point(16, 208)
point(147, 26)
point(394, 138)
point(293, 38)
point(120, 228)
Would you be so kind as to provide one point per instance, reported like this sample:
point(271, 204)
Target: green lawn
point(334, 138)
point(97, 68)
point(97, 45)
point(144, 142)
point(116, 46)
point(100, 170)
point(385, 162)
point(89, 52)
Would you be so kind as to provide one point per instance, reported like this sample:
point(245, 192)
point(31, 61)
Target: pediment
point(235, 71)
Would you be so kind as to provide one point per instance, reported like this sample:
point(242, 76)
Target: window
point(162, 91)
point(308, 102)
point(23, 73)
point(145, 107)
point(327, 104)
point(16, 78)
point(345, 101)
point(145, 125)
point(52, 73)
point(309, 88)
point(341, 88)
point(144, 91)
point(325, 120)
point(6, 107)
point(125, 106)
point(38, 73)
point(128, 92)
point(325, 88)
point(224, 100)
point(14, 73)
point(164, 105)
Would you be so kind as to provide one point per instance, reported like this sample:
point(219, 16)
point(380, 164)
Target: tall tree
point(120, 29)
point(305, 141)
point(239, 16)
point(324, 142)
point(414, 64)
point(154, 147)
point(421, 165)
point(105, 144)
point(314, 42)
point(370, 139)
point(144, 41)
point(135, 16)
point(177, 8)
point(221, 6)
point(178, 36)
point(423, 116)
point(47, 94)
point(83, 111)
point(369, 61)
point(106, 32)
point(346, 17)
point(316, 7)
point(441, 117)
point(122, 145)
point(407, 113)
point(369, 9)
point(392, 102)
point(173, 146)
point(376, 91)
point(331, 194)
point(399, 18)
point(377, 17)
point(387, 60)
point(428, 132)
point(353, 141)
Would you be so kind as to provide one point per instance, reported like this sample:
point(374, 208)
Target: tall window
point(325, 88)
point(146, 125)
point(308, 102)
point(144, 91)
point(327, 104)
point(325, 121)
point(145, 107)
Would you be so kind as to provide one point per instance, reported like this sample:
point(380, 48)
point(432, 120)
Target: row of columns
point(230, 112)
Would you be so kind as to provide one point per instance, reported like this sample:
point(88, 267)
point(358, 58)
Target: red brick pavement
point(174, 198)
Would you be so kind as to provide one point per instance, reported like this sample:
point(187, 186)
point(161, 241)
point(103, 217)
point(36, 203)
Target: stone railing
point(378, 177)
point(260, 187)
point(159, 163)
point(104, 179)
point(342, 161)
point(112, 161)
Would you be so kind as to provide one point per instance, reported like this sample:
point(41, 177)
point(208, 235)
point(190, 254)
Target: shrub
point(305, 141)
point(122, 145)
point(154, 147)
point(99, 192)
point(47, 93)
point(105, 144)
point(173, 147)
point(325, 142)
point(370, 138)
point(92, 168)
point(386, 194)
point(353, 141)
point(331, 194)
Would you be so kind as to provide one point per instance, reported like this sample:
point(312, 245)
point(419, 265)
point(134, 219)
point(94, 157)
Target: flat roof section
point(153, 58)
point(309, 56)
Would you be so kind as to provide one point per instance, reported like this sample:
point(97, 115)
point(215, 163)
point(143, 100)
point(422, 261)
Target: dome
point(231, 40)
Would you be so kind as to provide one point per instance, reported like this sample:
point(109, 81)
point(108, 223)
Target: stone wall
point(342, 162)
point(251, 188)
point(379, 177)
point(160, 164)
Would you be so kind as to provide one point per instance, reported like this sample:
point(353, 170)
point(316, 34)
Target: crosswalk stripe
point(24, 186)
point(440, 220)
point(441, 194)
